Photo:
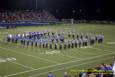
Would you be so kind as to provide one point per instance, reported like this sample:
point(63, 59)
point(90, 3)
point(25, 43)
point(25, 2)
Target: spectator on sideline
point(113, 69)
point(50, 74)
point(66, 74)
point(90, 73)
point(83, 73)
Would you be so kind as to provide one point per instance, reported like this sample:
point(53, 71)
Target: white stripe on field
point(30, 55)
point(22, 65)
point(84, 51)
point(69, 56)
point(111, 43)
point(107, 46)
point(103, 50)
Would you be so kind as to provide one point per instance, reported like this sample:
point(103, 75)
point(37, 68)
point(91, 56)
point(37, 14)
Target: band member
point(85, 41)
point(60, 45)
point(76, 43)
point(65, 44)
point(50, 45)
point(92, 39)
point(69, 34)
point(68, 43)
point(80, 42)
point(73, 42)
point(55, 46)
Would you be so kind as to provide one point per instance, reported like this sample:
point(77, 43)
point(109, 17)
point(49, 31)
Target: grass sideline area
point(18, 61)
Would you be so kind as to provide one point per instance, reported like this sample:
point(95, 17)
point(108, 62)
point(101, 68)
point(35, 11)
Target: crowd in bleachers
point(17, 15)
point(100, 70)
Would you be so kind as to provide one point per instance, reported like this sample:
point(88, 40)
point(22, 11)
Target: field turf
point(34, 62)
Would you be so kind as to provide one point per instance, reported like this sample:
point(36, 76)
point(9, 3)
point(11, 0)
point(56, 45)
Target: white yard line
point(30, 55)
point(103, 50)
point(65, 68)
point(108, 46)
point(60, 64)
point(77, 49)
point(22, 65)
point(69, 56)
point(83, 50)
point(111, 43)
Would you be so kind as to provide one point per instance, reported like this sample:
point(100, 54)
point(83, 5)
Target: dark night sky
point(90, 9)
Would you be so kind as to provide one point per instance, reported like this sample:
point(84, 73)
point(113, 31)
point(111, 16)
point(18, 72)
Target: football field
point(18, 61)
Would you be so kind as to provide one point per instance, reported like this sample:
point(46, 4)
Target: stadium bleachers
point(25, 18)
point(12, 16)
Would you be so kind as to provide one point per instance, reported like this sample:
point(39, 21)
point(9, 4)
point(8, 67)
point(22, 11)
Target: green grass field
point(33, 62)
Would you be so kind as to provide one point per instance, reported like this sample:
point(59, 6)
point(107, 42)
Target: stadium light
point(98, 10)
point(36, 4)
point(80, 10)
